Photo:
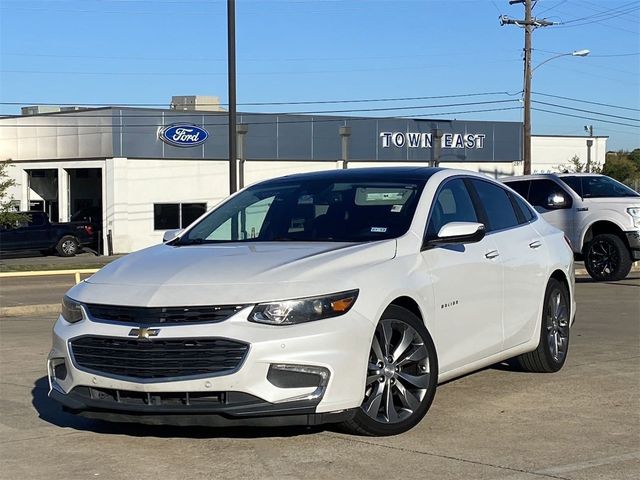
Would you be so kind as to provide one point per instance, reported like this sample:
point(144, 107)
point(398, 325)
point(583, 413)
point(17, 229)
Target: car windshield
point(598, 187)
point(311, 210)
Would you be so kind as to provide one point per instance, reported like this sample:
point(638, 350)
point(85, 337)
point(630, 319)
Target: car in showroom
point(599, 215)
point(342, 296)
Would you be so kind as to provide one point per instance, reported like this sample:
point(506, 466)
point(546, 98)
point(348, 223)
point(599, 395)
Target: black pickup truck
point(36, 232)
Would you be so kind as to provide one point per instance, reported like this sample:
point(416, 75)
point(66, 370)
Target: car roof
point(548, 175)
point(368, 173)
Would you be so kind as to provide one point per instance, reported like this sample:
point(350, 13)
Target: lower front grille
point(165, 399)
point(158, 358)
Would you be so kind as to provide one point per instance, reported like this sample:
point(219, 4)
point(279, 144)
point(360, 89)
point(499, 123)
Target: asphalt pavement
point(582, 423)
point(36, 261)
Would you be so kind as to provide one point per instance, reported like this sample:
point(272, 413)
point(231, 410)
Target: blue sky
point(129, 52)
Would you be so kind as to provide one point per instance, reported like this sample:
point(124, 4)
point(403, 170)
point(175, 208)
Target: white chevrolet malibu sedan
point(332, 297)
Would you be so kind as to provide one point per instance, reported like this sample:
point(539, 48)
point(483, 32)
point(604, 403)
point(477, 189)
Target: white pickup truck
point(600, 217)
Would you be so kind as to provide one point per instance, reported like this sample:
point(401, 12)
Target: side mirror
point(457, 233)
point(556, 201)
point(171, 234)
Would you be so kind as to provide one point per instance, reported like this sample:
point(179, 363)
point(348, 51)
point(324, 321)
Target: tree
point(624, 166)
point(576, 166)
point(8, 217)
point(620, 167)
point(634, 156)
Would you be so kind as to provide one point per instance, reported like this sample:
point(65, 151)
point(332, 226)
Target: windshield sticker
point(378, 229)
point(382, 196)
point(370, 196)
point(396, 208)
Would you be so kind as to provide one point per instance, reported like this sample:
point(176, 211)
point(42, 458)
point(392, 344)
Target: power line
point(302, 102)
point(280, 122)
point(587, 101)
point(570, 24)
point(605, 14)
point(319, 112)
point(552, 7)
point(598, 8)
point(246, 74)
point(586, 111)
point(585, 118)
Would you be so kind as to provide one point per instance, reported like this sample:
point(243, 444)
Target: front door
point(467, 285)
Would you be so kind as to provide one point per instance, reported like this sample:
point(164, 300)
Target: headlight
point(635, 214)
point(301, 310)
point(71, 310)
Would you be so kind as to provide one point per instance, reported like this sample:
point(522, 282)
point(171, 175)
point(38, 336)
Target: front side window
point(311, 210)
point(598, 187)
point(452, 204)
point(574, 183)
point(497, 205)
point(543, 189)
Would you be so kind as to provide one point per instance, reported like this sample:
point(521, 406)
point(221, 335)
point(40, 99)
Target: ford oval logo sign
point(183, 135)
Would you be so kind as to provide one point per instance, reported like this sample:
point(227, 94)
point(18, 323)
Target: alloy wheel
point(603, 257)
point(557, 325)
point(398, 374)
point(69, 247)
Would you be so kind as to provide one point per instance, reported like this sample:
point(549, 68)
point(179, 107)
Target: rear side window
point(452, 204)
point(542, 189)
point(527, 214)
point(497, 205)
point(521, 186)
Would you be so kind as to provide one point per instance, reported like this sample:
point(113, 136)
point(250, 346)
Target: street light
point(528, 73)
point(577, 53)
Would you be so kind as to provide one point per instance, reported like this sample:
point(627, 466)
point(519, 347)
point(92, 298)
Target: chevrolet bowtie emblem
point(144, 333)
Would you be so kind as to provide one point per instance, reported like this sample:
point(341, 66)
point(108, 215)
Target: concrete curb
point(25, 310)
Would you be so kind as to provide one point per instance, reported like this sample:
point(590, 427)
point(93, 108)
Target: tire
point(399, 391)
point(607, 258)
point(553, 345)
point(68, 246)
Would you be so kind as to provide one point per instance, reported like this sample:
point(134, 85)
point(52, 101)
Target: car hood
point(214, 274)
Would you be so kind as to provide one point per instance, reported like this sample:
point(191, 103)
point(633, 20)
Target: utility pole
point(529, 24)
point(345, 133)
point(231, 72)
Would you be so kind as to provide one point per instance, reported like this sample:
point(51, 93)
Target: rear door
point(522, 253)
point(467, 284)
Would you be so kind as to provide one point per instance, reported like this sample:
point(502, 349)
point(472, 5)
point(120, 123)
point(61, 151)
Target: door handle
point(492, 254)
point(535, 244)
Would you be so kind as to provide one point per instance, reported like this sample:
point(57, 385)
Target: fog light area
point(297, 376)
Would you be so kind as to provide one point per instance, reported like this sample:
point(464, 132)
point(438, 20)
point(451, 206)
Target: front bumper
point(340, 345)
point(633, 239)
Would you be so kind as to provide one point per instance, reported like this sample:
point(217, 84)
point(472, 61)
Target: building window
point(167, 216)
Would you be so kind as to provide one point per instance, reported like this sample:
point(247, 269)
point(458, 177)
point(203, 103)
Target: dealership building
point(140, 171)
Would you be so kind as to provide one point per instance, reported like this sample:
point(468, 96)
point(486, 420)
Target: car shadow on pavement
point(51, 412)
